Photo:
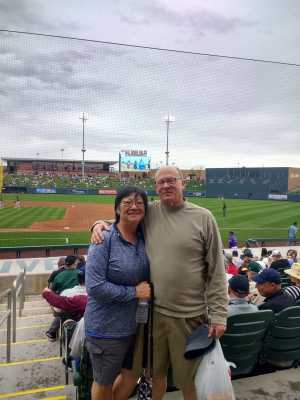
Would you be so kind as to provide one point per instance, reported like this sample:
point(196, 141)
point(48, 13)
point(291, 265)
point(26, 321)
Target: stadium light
point(168, 119)
point(83, 149)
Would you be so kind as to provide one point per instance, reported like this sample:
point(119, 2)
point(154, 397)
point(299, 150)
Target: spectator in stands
point(264, 258)
point(246, 258)
point(72, 303)
point(67, 278)
point(264, 253)
point(243, 270)
point(294, 273)
point(292, 256)
point(116, 275)
point(278, 262)
point(232, 241)
point(78, 289)
point(268, 283)
point(231, 268)
point(236, 259)
point(253, 268)
point(292, 234)
point(61, 268)
point(238, 290)
point(81, 263)
point(248, 253)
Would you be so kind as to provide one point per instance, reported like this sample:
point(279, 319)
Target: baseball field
point(56, 219)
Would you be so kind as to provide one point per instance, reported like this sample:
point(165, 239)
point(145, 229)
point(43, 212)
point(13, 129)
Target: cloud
point(200, 21)
point(32, 15)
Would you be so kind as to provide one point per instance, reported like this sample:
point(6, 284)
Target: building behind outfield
point(36, 166)
point(252, 183)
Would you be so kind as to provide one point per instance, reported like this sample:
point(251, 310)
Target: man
point(61, 268)
point(71, 303)
point(68, 278)
point(292, 234)
point(238, 290)
point(278, 262)
point(294, 274)
point(187, 270)
point(230, 267)
point(268, 283)
point(62, 289)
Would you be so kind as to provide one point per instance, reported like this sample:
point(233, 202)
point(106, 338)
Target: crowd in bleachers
point(283, 274)
point(111, 181)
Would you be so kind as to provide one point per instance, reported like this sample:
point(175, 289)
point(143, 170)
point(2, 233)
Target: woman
point(117, 272)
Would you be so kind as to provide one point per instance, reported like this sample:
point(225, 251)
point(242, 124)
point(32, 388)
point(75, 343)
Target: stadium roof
point(57, 160)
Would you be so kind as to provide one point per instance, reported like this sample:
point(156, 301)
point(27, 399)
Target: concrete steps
point(36, 370)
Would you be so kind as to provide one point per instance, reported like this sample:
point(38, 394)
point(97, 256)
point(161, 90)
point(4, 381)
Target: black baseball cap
point(239, 283)
point(199, 343)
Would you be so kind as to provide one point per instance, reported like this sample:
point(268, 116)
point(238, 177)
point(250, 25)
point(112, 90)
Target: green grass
point(42, 238)
point(23, 217)
point(248, 218)
point(68, 198)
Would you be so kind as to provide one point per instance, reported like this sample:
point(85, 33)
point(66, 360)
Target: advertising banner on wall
point(45, 190)
point(278, 196)
point(107, 191)
point(134, 160)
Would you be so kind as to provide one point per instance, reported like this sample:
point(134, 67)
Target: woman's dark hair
point(235, 253)
point(128, 191)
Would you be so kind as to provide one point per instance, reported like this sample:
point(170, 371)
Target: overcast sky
point(227, 112)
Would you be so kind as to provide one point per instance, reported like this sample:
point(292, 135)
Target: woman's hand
point(143, 291)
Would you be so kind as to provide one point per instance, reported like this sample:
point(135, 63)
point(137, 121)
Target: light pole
point(168, 119)
point(83, 118)
point(62, 153)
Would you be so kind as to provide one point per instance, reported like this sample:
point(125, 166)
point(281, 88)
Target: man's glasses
point(168, 181)
point(130, 203)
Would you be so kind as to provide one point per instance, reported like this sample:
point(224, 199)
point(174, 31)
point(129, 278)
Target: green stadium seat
point(282, 342)
point(243, 339)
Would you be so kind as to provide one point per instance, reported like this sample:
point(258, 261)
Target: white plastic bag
point(212, 379)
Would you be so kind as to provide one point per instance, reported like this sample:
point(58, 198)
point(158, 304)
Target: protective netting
point(227, 112)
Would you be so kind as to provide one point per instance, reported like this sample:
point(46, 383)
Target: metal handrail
point(18, 293)
point(7, 317)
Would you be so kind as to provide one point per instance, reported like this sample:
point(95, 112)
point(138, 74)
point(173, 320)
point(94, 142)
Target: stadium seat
point(68, 328)
point(83, 375)
point(243, 339)
point(282, 342)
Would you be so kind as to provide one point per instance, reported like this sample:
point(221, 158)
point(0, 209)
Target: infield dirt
point(78, 217)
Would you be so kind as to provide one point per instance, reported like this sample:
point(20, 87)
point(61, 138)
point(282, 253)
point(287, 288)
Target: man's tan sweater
point(186, 262)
